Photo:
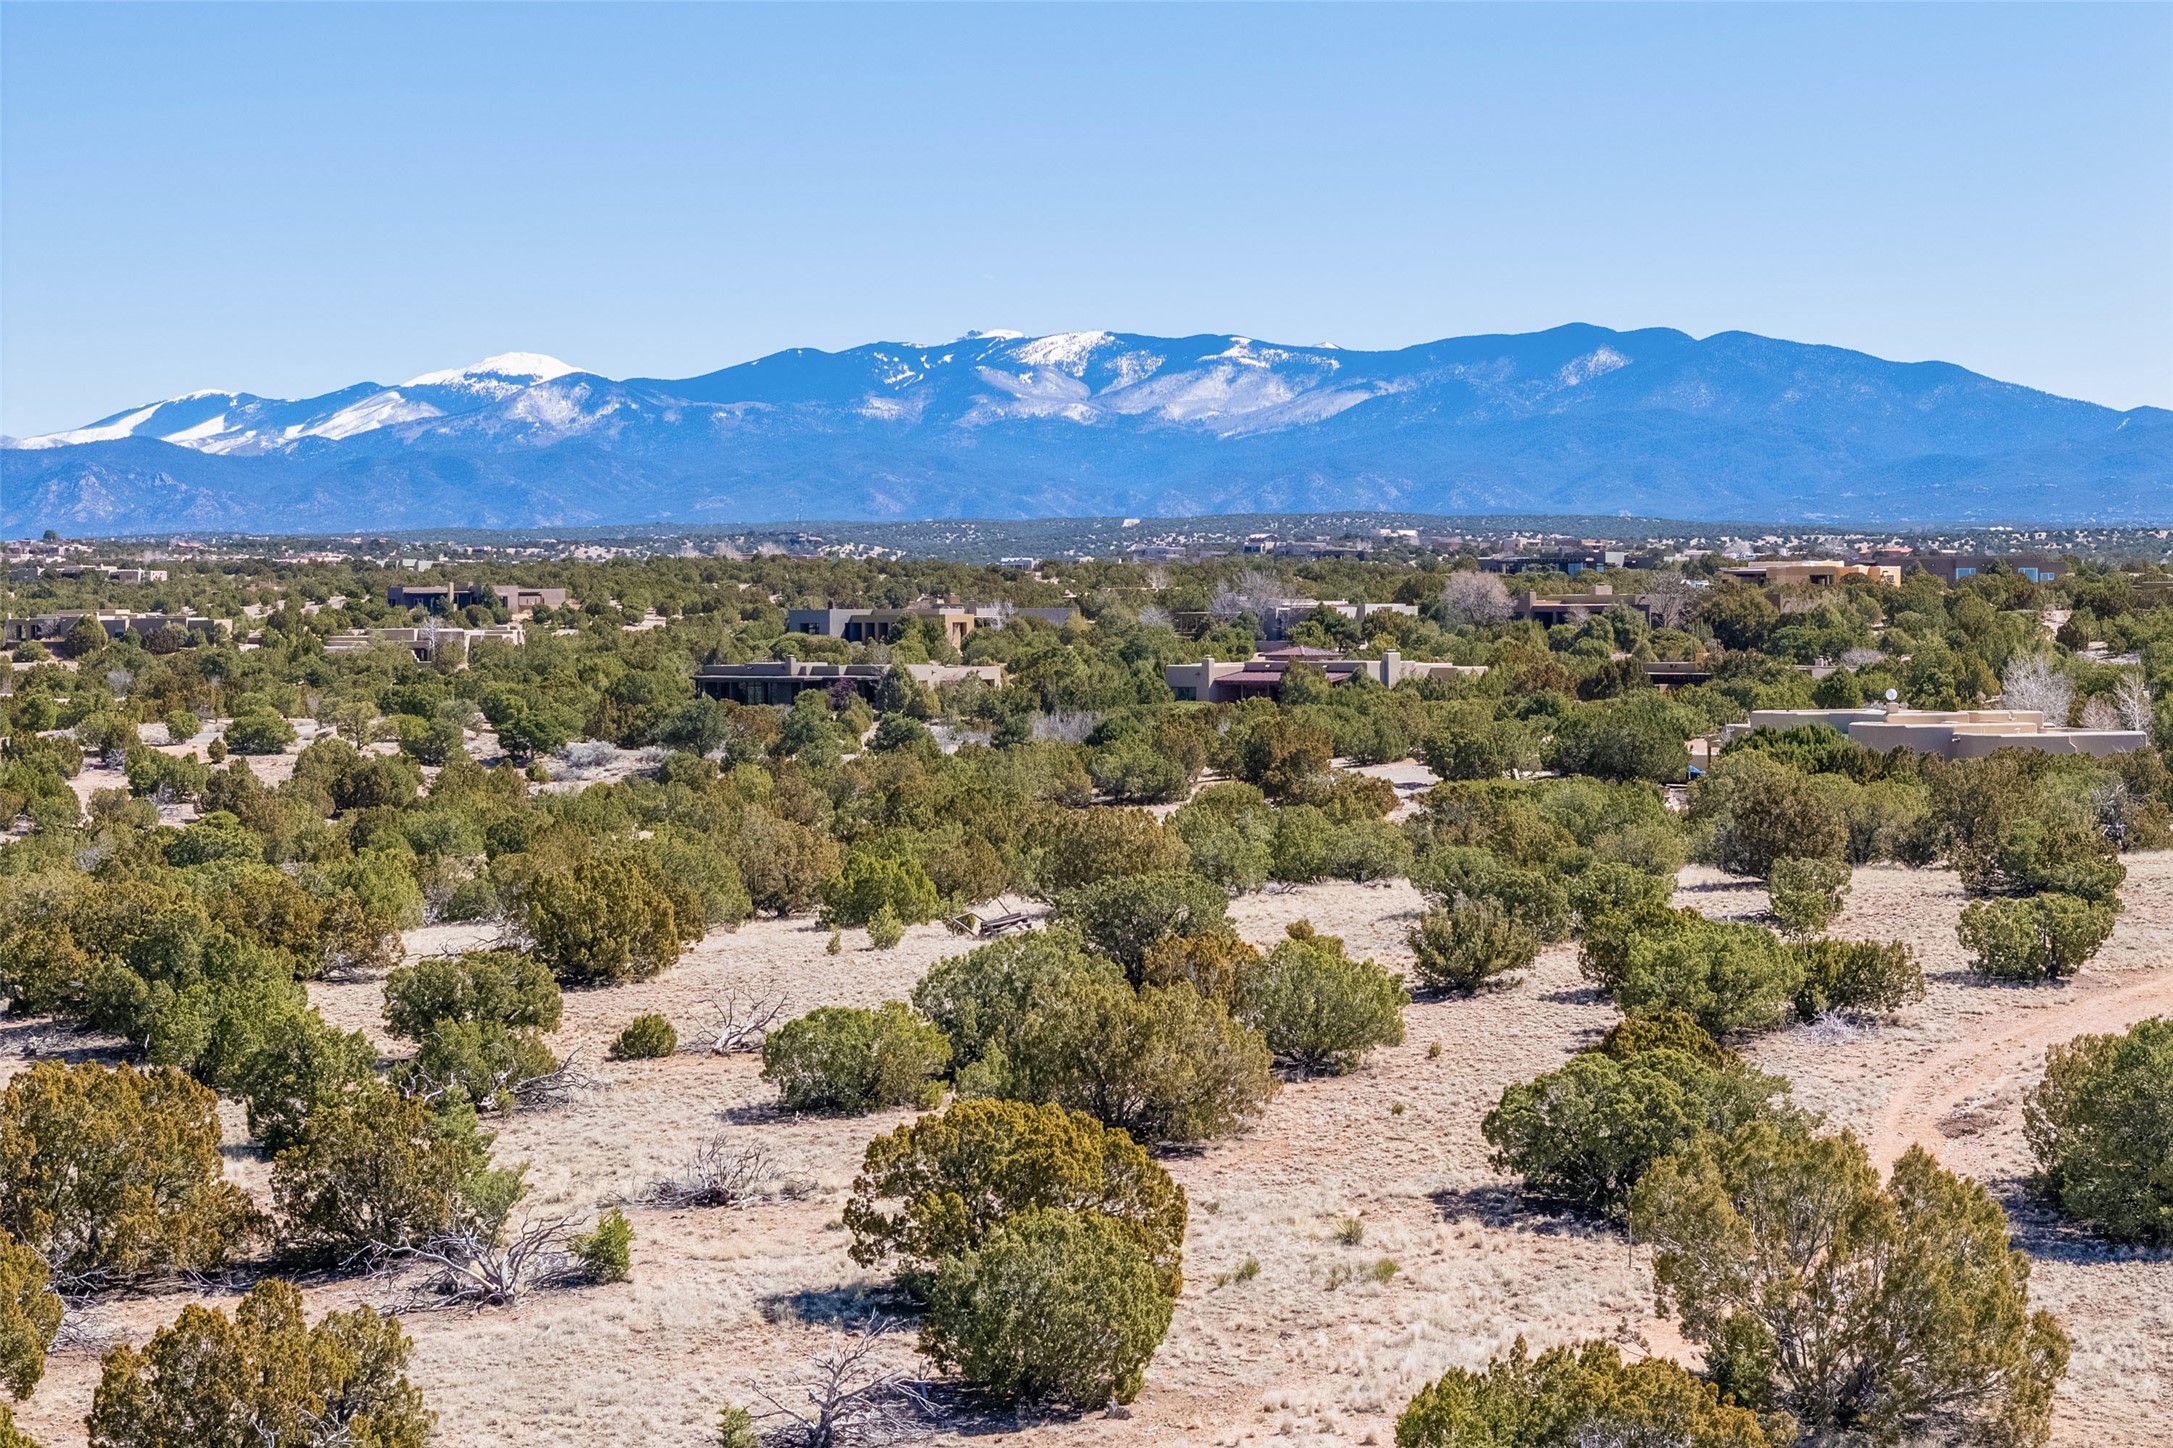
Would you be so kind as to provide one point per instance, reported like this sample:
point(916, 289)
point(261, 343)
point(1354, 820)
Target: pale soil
point(727, 1302)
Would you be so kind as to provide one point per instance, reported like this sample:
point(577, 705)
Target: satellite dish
point(1892, 695)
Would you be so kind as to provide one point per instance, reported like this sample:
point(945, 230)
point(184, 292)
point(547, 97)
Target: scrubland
point(1322, 1344)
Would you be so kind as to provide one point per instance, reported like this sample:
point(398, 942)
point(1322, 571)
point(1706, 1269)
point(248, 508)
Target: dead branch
point(737, 1022)
point(554, 1088)
point(851, 1399)
point(721, 1173)
point(472, 1265)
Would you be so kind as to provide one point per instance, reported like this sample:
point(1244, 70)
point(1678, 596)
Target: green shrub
point(700, 875)
point(377, 1172)
point(950, 1180)
point(1577, 1394)
point(1730, 978)
point(1468, 945)
point(2043, 857)
point(736, 1428)
point(1606, 886)
point(605, 1251)
point(1364, 850)
point(480, 1062)
point(1603, 955)
point(867, 884)
point(110, 1174)
point(2041, 937)
point(501, 987)
point(2101, 1125)
point(1163, 1063)
point(1052, 1307)
point(177, 776)
point(1664, 1031)
point(982, 997)
point(603, 921)
point(1855, 975)
point(1639, 736)
point(783, 863)
point(1080, 846)
point(1897, 1312)
point(1536, 897)
point(1476, 749)
point(30, 1313)
point(299, 1063)
point(1806, 894)
point(1121, 916)
point(472, 899)
point(1762, 810)
point(262, 1376)
point(1211, 964)
point(1584, 1133)
point(851, 1060)
point(885, 929)
point(264, 733)
point(1230, 830)
point(646, 1038)
point(1320, 1010)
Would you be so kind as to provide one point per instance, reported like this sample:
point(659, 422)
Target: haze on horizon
point(284, 200)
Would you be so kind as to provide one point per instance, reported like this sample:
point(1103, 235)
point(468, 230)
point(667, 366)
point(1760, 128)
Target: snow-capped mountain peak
point(506, 366)
point(1574, 419)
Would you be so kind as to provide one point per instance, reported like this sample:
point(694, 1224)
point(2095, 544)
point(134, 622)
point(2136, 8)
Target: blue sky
point(285, 199)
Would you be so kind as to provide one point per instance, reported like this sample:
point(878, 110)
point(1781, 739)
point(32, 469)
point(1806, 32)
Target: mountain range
point(1577, 419)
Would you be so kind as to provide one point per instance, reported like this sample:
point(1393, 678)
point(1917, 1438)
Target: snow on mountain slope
point(1578, 418)
point(501, 370)
point(240, 423)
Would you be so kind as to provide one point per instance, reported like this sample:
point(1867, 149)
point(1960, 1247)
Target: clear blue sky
point(283, 199)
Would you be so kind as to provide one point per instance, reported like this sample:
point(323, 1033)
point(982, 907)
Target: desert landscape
point(726, 1303)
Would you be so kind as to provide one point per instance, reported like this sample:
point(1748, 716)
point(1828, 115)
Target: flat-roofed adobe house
point(1818, 572)
point(882, 625)
point(1949, 733)
point(1214, 682)
point(780, 681)
point(445, 597)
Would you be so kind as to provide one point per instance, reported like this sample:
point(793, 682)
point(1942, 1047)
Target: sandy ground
point(725, 1303)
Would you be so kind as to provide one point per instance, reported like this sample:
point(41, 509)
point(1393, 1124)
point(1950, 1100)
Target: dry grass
point(1313, 1343)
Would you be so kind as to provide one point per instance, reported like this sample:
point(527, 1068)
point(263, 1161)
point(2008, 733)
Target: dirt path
point(1926, 1094)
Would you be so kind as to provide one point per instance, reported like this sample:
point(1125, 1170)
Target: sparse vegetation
point(572, 797)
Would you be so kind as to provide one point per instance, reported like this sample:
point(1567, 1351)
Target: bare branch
point(1473, 600)
point(471, 1265)
point(737, 1022)
point(554, 1088)
point(851, 1398)
point(721, 1173)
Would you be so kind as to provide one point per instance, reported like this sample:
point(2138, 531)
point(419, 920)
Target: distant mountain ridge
point(1578, 419)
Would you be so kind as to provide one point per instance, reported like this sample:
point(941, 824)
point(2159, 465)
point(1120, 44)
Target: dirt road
point(1928, 1093)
